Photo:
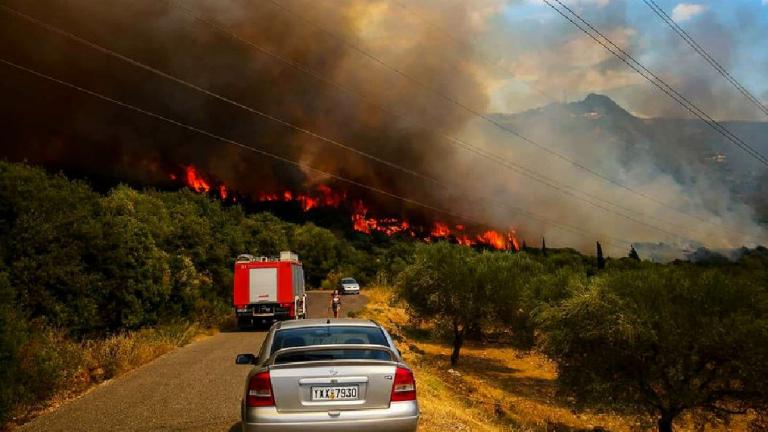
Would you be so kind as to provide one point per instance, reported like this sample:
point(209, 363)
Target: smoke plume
point(413, 59)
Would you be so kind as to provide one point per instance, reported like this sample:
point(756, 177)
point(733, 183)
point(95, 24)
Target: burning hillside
point(361, 218)
point(309, 125)
point(275, 99)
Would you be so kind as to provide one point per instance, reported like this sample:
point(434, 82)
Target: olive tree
point(440, 284)
point(664, 340)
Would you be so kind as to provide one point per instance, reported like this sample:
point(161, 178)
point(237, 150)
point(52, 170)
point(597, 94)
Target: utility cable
point(519, 169)
point(299, 165)
point(705, 55)
point(175, 79)
point(654, 79)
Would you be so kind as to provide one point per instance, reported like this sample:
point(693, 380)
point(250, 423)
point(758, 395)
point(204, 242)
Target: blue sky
point(545, 51)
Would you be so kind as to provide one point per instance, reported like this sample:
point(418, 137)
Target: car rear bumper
point(399, 417)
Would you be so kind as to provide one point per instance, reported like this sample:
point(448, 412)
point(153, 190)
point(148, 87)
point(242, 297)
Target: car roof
point(323, 322)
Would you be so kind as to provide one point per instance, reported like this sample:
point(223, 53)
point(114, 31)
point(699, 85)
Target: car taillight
point(404, 388)
point(260, 391)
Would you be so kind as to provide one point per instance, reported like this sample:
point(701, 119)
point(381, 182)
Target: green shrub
point(665, 339)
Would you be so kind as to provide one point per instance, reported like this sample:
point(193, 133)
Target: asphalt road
point(195, 388)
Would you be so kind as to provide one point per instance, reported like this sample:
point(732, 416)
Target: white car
point(349, 286)
point(328, 375)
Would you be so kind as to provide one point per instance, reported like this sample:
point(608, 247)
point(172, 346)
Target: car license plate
point(334, 393)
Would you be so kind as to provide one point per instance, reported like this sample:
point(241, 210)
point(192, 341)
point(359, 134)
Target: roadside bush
point(332, 281)
point(440, 283)
point(13, 336)
point(50, 227)
point(320, 252)
point(511, 286)
point(40, 364)
point(78, 269)
point(267, 234)
point(665, 340)
point(473, 292)
point(112, 356)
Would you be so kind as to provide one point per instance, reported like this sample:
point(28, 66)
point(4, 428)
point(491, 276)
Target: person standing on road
point(335, 304)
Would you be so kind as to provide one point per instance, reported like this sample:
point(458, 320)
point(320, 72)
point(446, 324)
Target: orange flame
point(493, 239)
point(464, 240)
point(441, 230)
point(195, 180)
point(329, 197)
point(308, 203)
point(513, 240)
point(324, 196)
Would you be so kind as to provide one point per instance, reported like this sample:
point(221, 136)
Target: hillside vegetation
point(662, 341)
point(93, 284)
point(498, 386)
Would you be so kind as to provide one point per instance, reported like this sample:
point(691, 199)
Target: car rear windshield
point(348, 281)
point(328, 335)
point(324, 354)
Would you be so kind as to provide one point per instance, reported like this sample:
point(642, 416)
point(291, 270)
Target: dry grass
point(115, 355)
point(494, 387)
point(86, 364)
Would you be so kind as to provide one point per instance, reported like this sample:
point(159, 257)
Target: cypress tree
point(633, 253)
point(600, 259)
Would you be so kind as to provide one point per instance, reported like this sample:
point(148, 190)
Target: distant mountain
point(682, 148)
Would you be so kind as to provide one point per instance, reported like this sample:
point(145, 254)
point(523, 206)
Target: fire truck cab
point(268, 289)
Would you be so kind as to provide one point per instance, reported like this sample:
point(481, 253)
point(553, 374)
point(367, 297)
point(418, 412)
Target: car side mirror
point(245, 359)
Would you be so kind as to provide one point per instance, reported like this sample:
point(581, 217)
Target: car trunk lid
point(341, 384)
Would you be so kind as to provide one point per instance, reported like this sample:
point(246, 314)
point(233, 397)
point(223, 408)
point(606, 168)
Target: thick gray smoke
point(442, 45)
point(57, 126)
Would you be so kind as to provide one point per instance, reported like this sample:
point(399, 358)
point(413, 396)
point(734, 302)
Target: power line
point(441, 95)
point(275, 156)
point(250, 109)
point(703, 53)
point(177, 80)
point(519, 169)
point(508, 72)
point(474, 112)
point(656, 81)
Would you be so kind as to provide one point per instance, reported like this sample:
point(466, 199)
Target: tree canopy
point(664, 339)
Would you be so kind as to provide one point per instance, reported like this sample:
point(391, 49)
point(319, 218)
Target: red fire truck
point(268, 289)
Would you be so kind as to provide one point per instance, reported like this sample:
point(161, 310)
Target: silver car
point(349, 286)
point(328, 375)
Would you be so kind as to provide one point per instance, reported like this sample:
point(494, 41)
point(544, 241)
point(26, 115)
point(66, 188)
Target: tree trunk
point(458, 341)
point(665, 422)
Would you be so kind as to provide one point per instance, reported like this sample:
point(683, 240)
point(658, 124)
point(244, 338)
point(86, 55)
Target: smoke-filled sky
point(397, 80)
point(546, 52)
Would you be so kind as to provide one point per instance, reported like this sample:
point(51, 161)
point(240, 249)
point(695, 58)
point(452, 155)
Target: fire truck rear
point(268, 289)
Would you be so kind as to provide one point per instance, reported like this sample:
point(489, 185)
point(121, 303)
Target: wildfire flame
point(195, 180)
point(441, 230)
point(325, 197)
point(198, 182)
point(492, 238)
